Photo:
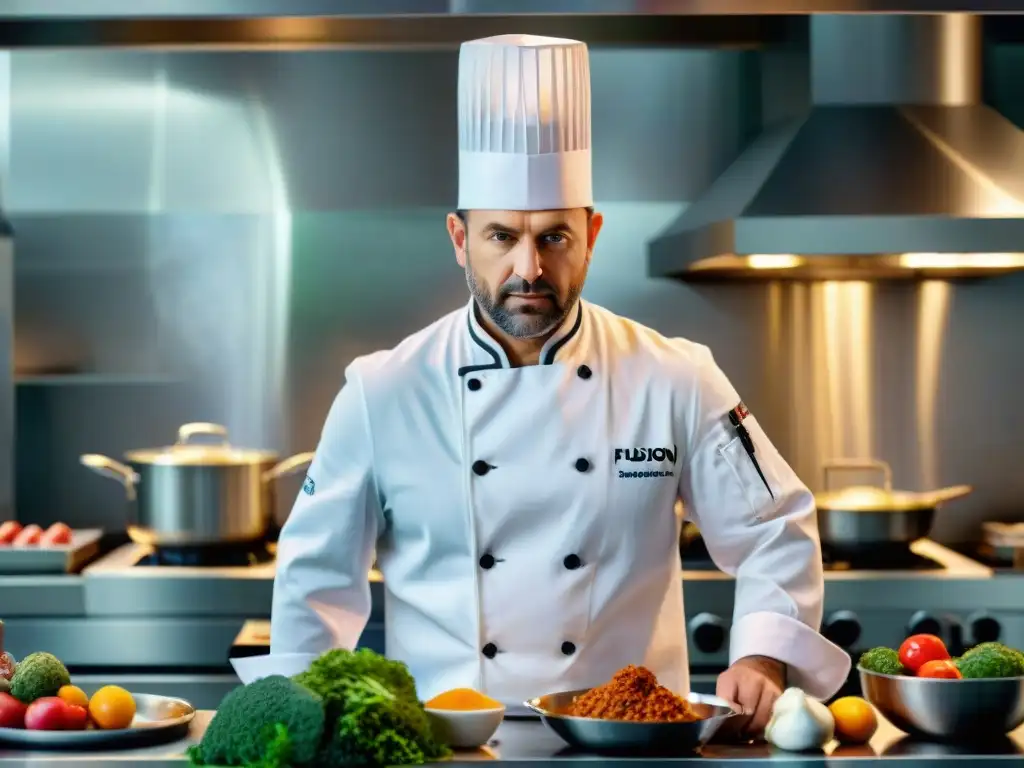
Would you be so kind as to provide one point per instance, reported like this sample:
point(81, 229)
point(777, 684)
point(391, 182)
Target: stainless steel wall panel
point(215, 236)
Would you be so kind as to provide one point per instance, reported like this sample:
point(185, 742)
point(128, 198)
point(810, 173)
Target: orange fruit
point(111, 708)
point(856, 721)
point(72, 694)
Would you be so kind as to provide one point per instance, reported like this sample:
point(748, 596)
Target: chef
point(515, 465)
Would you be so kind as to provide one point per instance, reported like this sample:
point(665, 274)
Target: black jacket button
point(568, 648)
point(572, 562)
point(487, 561)
point(490, 650)
point(481, 467)
point(474, 385)
point(583, 372)
point(582, 465)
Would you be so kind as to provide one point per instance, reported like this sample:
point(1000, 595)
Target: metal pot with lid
point(861, 516)
point(194, 493)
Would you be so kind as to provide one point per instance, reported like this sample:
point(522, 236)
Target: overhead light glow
point(962, 260)
point(773, 261)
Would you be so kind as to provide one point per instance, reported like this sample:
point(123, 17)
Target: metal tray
point(69, 558)
point(157, 719)
point(621, 737)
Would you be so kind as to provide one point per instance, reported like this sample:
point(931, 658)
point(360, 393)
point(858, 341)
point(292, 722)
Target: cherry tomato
point(28, 536)
point(943, 669)
point(917, 650)
point(57, 535)
point(8, 531)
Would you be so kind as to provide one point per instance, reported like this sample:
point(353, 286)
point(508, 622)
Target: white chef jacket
point(523, 517)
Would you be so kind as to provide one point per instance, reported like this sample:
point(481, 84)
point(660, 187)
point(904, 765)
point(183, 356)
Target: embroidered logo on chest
point(308, 487)
point(658, 462)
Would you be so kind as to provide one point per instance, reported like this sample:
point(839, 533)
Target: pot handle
point(115, 470)
point(289, 466)
point(187, 431)
point(862, 464)
point(948, 494)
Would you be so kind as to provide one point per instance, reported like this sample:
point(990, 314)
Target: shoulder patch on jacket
point(308, 486)
point(738, 414)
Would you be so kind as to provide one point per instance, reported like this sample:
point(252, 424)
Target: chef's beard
point(524, 322)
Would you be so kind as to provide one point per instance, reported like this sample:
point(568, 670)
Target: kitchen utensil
point(158, 719)
point(947, 710)
point(465, 729)
point(620, 736)
point(195, 494)
point(860, 517)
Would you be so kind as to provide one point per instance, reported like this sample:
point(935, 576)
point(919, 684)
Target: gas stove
point(873, 600)
point(169, 619)
point(196, 599)
point(222, 556)
point(139, 580)
point(160, 621)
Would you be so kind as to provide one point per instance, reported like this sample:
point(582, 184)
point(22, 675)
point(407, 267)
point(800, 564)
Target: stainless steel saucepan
point(198, 494)
point(859, 517)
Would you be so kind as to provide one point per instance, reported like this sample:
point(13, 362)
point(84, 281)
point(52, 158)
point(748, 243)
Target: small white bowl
point(466, 729)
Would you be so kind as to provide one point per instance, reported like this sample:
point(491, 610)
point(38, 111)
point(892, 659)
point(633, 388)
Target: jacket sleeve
point(325, 550)
point(761, 530)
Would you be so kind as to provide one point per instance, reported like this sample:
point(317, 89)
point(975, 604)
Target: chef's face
point(525, 268)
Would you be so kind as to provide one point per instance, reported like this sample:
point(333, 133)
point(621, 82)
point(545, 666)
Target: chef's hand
point(753, 683)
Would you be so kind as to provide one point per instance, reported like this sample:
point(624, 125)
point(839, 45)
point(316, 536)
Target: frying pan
point(859, 517)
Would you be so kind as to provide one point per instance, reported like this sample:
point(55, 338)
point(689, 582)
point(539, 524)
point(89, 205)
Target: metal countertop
point(524, 742)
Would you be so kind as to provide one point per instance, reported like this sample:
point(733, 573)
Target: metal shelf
point(94, 380)
point(399, 32)
point(101, 9)
point(428, 24)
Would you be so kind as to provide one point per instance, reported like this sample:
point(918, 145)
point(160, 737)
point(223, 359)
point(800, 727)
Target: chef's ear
point(457, 232)
point(593, 230)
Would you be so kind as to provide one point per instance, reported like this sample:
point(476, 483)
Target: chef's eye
point(554, 238)
point(501, 237)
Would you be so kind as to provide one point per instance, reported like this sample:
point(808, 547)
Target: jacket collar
point(486, 353)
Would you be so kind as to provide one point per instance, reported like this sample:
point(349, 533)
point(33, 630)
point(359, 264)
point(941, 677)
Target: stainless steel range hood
point(423, 24)
point(898, 169)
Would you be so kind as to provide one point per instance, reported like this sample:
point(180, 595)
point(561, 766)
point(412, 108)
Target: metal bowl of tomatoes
point(931, 698)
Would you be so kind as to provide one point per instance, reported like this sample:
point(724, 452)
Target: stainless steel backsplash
point(214, 236)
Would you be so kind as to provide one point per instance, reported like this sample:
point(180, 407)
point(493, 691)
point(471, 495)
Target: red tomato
point(917, 650)
point(945, 670)
point(8, 531)
point(57, 535)
point(46, 714)
point(76, 718)
point(28, 536)
point(12, 712)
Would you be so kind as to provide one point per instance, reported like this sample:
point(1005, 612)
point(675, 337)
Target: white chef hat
point(524, 124)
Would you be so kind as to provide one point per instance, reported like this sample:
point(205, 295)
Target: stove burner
point(220, 555)
point(897, 557)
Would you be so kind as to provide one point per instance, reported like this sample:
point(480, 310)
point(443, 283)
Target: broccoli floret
point(998, 646)
point(373, 713)
point(270, 723)
point(39, 674)
point(884, 661)
point(380, 731)
point(991, 660)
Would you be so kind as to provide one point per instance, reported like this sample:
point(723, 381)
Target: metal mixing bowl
point(620, 736)
point(947, 710)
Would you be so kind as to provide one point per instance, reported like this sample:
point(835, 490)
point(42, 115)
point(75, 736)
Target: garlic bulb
point(799, 723)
